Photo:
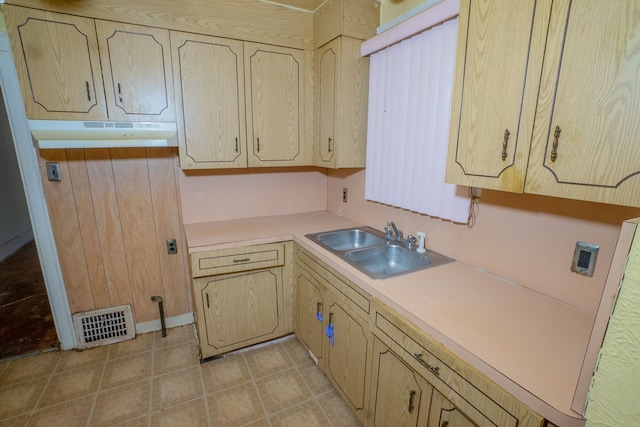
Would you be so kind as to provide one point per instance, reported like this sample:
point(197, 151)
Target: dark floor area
point(26, 324)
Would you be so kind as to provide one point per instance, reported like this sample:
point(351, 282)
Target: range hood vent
point(97, 134)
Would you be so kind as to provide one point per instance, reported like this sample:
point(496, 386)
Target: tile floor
point(155, 381)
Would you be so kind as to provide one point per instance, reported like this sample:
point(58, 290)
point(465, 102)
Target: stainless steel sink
point(372, 253)
point(353, 238)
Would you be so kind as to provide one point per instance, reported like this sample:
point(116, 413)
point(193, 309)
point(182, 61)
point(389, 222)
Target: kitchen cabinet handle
point(504, 144)
point(236, 144)
point(434, 369)
point(258, 144)
point(330, 149)
point(88, 90)
point(554, 149)
point(120, 93)
point(412, 394)
point(207, 296)
point(236, 260)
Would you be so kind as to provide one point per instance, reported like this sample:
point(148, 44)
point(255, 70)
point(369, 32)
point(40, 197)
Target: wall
point(244, 193)
point(613, 399)
point(15, 225)
point(111, 214)
point(526, 239)
point(391, 9)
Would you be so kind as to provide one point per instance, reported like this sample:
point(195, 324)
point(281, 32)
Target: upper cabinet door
point(500, 51)
point(136, 63)
point(274, 79)
point(57, 63)
point(586, 143)
point(209, 84)
point(328, 65)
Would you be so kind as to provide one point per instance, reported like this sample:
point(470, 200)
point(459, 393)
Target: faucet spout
point(395, 230)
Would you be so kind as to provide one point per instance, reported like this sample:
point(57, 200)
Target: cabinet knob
point(554, 148)
point(505, 143)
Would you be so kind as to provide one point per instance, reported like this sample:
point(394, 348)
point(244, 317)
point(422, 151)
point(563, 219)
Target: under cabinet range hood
point(98, 134)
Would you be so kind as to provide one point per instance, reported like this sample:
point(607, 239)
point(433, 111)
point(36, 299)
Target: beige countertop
point(531, 345)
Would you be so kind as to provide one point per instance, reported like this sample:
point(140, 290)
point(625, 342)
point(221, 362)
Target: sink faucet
point(395, 230)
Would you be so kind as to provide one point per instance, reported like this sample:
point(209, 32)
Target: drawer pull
point(434, 369)
point(242, 260)
point(412, 394)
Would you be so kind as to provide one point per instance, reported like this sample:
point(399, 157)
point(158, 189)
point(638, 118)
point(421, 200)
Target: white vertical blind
point(410, 89)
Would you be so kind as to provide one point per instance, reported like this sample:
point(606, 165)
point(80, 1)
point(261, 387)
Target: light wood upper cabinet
point(275, 90)
point(574, 134)
point(136, 64)
point(590, 91)
point(499, 58)
point(61, 61)
point(342, 78)
point(209, 83)
point(58, 64)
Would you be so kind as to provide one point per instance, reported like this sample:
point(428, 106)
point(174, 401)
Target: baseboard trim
point(171, 322)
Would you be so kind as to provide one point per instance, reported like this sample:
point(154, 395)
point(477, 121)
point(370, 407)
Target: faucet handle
point(387, 232)
point(411, 240)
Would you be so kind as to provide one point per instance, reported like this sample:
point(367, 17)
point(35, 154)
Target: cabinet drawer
point(484, 402)
point(211, 263)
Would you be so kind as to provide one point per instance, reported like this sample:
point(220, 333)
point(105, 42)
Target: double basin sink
point(371, 252)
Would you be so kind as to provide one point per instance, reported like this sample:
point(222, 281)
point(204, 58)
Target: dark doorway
point(26, 323)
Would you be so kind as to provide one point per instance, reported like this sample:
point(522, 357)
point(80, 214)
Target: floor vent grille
point(104, 326)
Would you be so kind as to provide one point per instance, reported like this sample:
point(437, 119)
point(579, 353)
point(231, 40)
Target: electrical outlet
point(53, 171)
point(344, 194)
point(584, 258)
point(172, 247)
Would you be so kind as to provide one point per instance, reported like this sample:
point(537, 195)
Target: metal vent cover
point(104, 326)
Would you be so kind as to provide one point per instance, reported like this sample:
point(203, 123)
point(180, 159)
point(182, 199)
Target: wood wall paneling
point(107, 216)
point(66, 230)
point(81, 186)
point(165, 200)
point(111, 214)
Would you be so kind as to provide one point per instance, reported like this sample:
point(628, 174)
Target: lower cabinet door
point(239, 309)
point(443, 413)
point(399, 397)
point(347, 357)
point(310, 313)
